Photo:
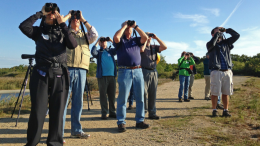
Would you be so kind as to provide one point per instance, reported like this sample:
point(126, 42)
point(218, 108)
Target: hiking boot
point(220, 106)
point(215, 113)
point(191, 98)
point(112, 116)
point(226, 114)
point(81, 135)
point(142, 125)
point(186, 100)
point(155, 117)
point(180, 100)
point(130, 107)
point(207, 98)
point(104, 117)
point(121, 128)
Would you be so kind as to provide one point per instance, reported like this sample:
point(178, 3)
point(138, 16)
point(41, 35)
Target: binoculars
point(222, 29)
point(130, 22)
point(51, 7)
point(103, 39)
point(151, 35)
point(75, 14)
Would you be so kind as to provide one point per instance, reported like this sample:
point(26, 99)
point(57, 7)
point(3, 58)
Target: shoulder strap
point(82, 27)
point(181, 63)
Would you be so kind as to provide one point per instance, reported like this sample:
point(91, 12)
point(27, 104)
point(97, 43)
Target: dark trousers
point(107, 88)
point(40, 88)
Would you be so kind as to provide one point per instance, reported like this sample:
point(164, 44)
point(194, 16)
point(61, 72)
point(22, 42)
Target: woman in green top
point(184, 76)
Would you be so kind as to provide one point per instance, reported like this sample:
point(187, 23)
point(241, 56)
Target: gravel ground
point(104, 132)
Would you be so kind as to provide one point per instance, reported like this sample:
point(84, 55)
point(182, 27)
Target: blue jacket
point(97, 54)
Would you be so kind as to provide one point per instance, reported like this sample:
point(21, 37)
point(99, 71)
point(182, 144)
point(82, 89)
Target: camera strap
point(82, 27)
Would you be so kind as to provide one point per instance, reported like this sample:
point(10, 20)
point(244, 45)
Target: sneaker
point(180, 100)
point(155, 117)
point(81, 135)
point(191, 98)
point(112, 116)
point(121, 128)
point(215, 113)
point(226, 114)
point(104, 117)
point(220, 106)
point(142, 125)
point(186, 100)
point(130, 107)
point(207, 98)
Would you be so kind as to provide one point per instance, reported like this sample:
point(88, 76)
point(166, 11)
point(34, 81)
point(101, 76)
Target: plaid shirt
point(222, 60)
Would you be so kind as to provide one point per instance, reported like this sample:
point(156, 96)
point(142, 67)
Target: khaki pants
point(191, 84)
point(221, 82)
point(207, 86)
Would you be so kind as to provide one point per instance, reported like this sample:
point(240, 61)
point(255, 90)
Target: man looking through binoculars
point(78, 63)
point(106, 75)
point(129, 72)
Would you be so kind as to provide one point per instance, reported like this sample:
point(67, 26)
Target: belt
point(129, 67)
point(223, 70)
point(148, 68)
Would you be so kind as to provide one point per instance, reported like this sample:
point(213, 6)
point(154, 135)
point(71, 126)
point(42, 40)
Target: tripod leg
point(24, 82)
point(26, 78)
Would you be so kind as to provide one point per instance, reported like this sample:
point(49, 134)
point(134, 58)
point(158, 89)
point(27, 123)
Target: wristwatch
point(136, 26)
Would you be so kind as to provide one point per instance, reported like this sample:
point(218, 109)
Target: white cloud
point(250, 29)
point(200, 44)
point(197, 19)
point(214, 11)
point(204, 30)
point(248, 43)
point(176, 45)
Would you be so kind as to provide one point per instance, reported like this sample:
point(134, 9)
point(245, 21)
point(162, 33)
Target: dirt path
point(104, 132)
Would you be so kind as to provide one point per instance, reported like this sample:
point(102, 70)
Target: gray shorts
point(221, 82)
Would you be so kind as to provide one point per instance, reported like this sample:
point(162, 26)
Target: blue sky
point(182, 25)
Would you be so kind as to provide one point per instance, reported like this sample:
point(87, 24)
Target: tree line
point(242, 65)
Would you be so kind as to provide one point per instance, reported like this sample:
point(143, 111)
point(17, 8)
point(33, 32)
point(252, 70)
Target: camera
point(75, 12)
point(51, 7)
point(103, 39)
point(130, 22)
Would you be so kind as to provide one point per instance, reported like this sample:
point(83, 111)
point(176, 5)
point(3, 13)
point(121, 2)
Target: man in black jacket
point(220, 65)
point(50, 74)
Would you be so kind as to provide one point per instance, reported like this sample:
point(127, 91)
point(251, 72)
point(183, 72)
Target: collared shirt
point(149, 56)
point(222, 59)
point(128, 51)
point(107, 63)
point(92, 35)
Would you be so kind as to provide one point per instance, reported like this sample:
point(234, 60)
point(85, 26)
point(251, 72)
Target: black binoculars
point(51, 7)
point(130, 22)
point(103, 39)
point(151, 35)
point(75, 12)
point(222, 29)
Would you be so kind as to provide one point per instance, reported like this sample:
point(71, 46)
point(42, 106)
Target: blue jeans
point(77, 85)
point(184, 83)
point(131, 96)
point(127, 77)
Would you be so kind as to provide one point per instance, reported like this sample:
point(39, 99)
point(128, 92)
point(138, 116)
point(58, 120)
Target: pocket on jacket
point(69, 55)
point(85, 56)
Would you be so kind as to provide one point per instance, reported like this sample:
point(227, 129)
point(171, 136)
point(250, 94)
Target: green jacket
point(185, 64)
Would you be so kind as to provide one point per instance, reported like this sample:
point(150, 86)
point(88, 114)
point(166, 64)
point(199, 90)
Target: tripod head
point(27, 56)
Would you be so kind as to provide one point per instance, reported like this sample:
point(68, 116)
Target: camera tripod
point(30, 57)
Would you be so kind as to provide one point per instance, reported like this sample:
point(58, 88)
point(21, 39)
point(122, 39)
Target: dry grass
point(11, 83)
point(243, 128)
